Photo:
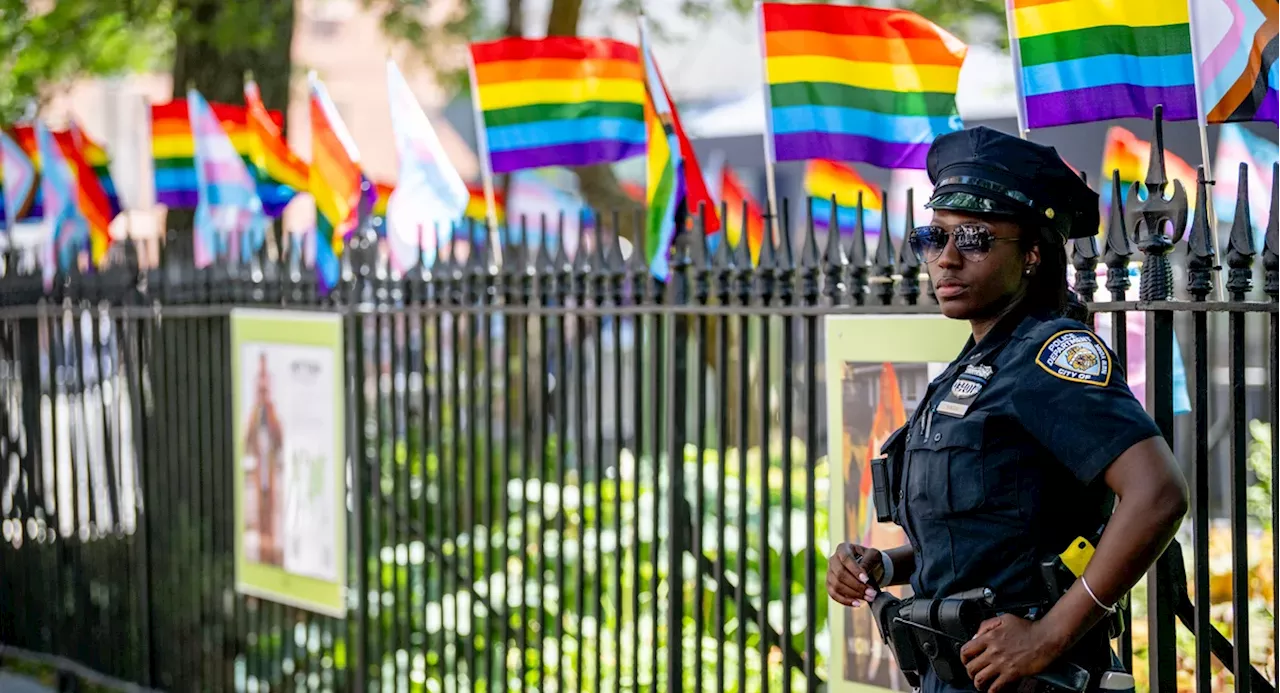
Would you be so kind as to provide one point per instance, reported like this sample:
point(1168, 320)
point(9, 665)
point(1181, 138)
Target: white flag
point(430, 193)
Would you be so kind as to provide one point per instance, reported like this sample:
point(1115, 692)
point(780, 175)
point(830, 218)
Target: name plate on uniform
point(965, 388)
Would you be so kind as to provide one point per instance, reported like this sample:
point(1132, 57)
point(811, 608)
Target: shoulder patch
point(1078, 356)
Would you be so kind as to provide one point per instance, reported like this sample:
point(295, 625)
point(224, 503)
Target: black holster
point(928, 633)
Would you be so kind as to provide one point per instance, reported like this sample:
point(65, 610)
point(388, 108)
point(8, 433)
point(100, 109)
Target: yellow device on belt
point(1077, 555)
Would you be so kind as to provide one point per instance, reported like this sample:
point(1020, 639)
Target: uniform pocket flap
point(949, 432)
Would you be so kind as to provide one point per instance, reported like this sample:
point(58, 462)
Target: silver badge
point(980, 371)
point(965, 388)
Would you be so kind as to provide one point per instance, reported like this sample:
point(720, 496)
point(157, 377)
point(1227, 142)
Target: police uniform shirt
point(1004, 458)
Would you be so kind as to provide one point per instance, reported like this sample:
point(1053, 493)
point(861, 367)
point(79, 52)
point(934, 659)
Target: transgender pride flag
point(69, 230)
point(229, 206)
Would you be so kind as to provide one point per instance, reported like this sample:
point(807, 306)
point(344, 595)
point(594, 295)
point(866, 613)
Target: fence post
point(1271, 265)
point(1201, 258)
point(1240, 254)
point(1148, 220)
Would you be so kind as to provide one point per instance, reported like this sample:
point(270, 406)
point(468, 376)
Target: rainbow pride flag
point(1081, 61)
point(476, 208)
point(279, 173)
point(822, 179)
point(173, 148)
point(335, 181)
point(1129, 154)
point(675, 189)
point(665, 177)
point(1235, 48)
point(383, 192)
point(858, 83)
point(96, 207)
point(558, 101)
point(98, 159)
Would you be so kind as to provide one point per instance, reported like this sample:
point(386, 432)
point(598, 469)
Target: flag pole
point(769, 154)
point(1202, 123)
point(486, 170)
point(1016, 53)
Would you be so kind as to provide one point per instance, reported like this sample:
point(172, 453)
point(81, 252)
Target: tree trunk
point(206, 59)
point(203, 59)
point(515, 18)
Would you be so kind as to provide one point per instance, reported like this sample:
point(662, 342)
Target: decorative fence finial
point(1240, 245)
point(1149, 219)
point(858, 257)
point(908, 263)
point(1084, 258)
point(882, 268)
point(834, 260)
point(1271, 242)
point(1200, 251)
point(1119, 249)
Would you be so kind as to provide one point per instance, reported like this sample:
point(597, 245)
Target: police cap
point(991, 172)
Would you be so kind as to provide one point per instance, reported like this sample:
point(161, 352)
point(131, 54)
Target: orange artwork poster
point(878, 367)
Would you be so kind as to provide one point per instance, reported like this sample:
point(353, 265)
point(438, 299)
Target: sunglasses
point(973, 241)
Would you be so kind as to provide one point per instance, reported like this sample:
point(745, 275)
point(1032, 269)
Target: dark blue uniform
point(1004, 462)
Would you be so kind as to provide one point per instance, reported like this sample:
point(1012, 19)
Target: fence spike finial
point(858, 244)
point(882, 268)
point(786, 260)
point(1271, 241)
point(809, 254)
point(721, 252)
point(1084, 258)
point(701, 261)
point(1156, 177)
point(740, 254)
point(908, 262)
point(617, 272)
point(768, 245)
point(637, 267)
point(1119, 248)
point(698, 252)
point(1200, 251)
point(856, 270)
point(1240, 249)
point(580, 266)
point(834, 262)
point(681, 253)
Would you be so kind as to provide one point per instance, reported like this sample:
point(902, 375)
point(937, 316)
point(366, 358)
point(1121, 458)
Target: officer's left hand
point(1005, 650)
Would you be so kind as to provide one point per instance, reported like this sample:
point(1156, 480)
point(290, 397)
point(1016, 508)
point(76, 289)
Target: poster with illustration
point(878, 367)
point(290, 489)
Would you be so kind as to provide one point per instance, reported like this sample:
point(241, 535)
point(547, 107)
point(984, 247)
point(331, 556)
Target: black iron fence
point(564, 474)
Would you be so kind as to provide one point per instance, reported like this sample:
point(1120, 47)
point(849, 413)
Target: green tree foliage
point(974, 21)
point(44, 48)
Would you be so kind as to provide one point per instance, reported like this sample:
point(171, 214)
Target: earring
point(1031, 269)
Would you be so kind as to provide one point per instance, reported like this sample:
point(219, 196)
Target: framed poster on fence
point(290, 458)
point(878, 367)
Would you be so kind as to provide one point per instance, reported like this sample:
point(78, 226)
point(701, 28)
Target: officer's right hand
point(848, 573)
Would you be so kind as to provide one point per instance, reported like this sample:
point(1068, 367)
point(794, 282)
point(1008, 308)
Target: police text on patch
point(1078, 356)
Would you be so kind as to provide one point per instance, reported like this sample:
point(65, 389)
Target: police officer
point(1016, 449)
